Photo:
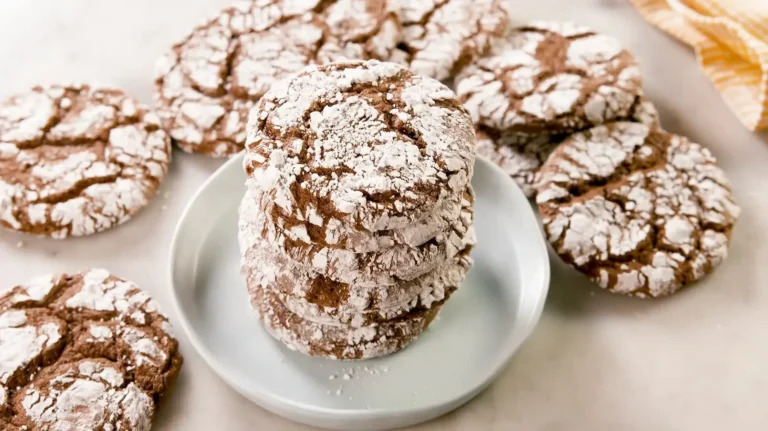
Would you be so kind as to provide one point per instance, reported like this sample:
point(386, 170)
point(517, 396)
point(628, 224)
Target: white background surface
point(698, 360)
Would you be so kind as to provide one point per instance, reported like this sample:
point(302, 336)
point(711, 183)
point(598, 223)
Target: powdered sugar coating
point(322, 300)
point(443, 36)
point(339, 341)
point(313, 232)
point(641, 211)
point(365, 144)
point(384, 267)
point(84, 396)
point(207, 83)
point(521, 155)
point(549, 76)
point(76, 160)
point(83, 351)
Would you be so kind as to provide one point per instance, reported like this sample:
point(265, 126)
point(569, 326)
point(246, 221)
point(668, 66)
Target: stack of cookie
point(357, 222)
point(560, 108)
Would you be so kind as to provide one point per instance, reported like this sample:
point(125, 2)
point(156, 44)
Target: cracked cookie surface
point(207, 83)
point(76, 160)
point(551, 77)
point(82, 351)
point(319, 298)
point(443, 36)
point(640, 211)
point(368, 145)
point(377, 269)
point(304, 233)
point(521, 156)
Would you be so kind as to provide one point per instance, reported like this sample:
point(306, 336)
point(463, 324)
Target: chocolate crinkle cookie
point(76, 160)
point(551, 77)
point(87, 351)
point(207, 82)
point(640, 211)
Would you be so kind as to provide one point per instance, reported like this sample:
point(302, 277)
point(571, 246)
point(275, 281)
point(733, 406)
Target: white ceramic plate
point(460, 354)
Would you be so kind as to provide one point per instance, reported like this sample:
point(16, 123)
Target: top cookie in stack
point(359, 191)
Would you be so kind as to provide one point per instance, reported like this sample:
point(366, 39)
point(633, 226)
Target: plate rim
point(267, 399)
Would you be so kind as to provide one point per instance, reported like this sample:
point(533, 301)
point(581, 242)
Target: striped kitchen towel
point(731, 41)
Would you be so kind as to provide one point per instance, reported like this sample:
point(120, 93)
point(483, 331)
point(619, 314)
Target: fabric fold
point(730, 38)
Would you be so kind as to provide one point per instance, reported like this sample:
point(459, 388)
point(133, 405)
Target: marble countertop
point(698, 360)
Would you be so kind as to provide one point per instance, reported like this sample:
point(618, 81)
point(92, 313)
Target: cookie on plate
point(76, 160)
point(443, 36)
point(640, 211)
point(521, 156)
point(366, 144)
point(321, 299)
point(551, 77)
point(339, 341)
point(206, 84)
point(83, 351)
point(384, 267)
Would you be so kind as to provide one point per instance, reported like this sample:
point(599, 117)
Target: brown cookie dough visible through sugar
point(76, 160)
point(387, 266)
point(208, 82)
point(83, 352)
point(640, 211)
point(304, 233)
point(521, 156)
point(551, 77)
point(322, 300)
point(443, 36)
point(366, 144)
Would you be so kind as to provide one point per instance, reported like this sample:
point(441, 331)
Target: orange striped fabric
point(731, 42)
